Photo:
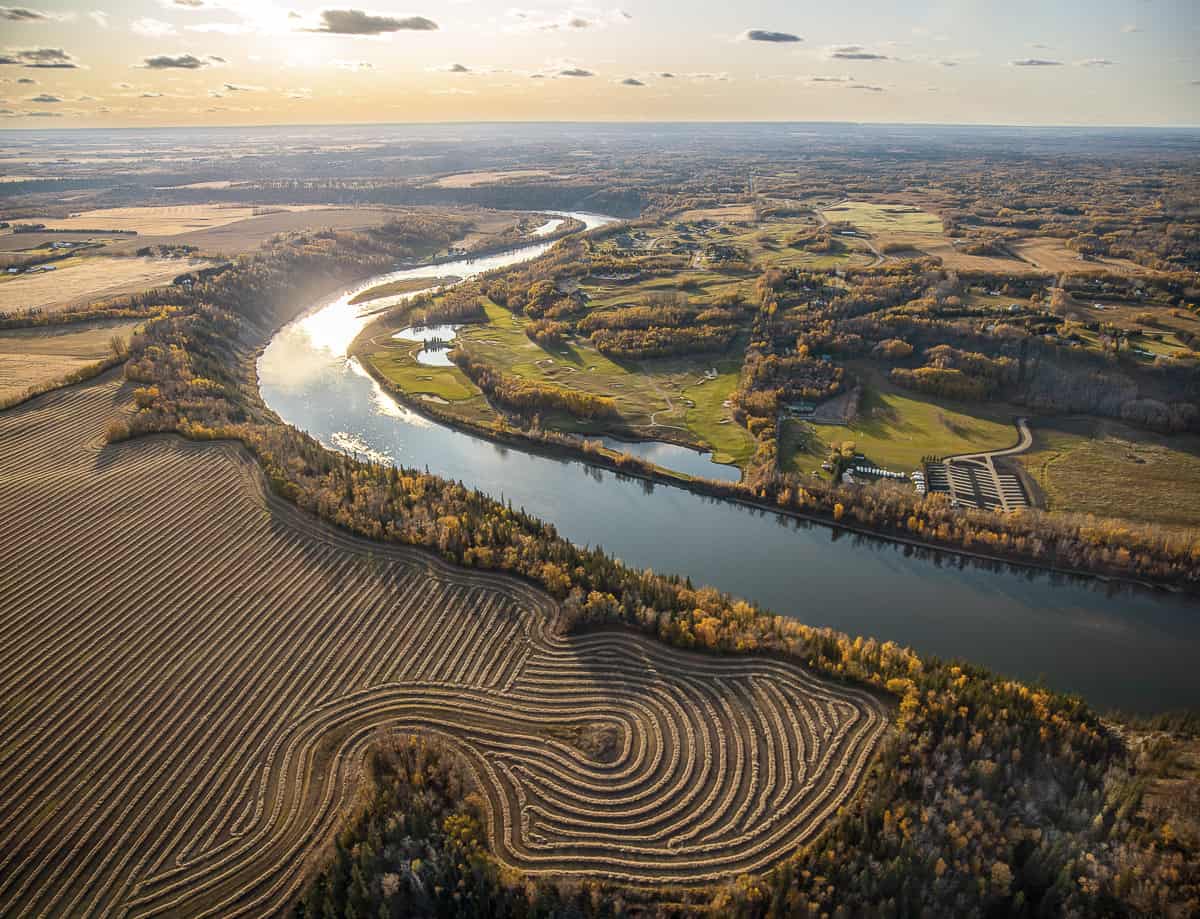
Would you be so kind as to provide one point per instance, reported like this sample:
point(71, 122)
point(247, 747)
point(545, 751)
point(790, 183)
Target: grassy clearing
point(709, 419)
point(446, 386)
point(698, 286)
point(669, 397)
point(768, 246)
point(887, 221)
point(1102, 467)
point(671, 392)
point(895, 429)
point(1051, 254)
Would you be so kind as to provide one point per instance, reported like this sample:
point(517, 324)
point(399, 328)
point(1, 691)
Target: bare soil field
point(473, 179)
point(87, 279)
point(249, 233)
point(191, 671)
point(34, 357)
point(170, 220)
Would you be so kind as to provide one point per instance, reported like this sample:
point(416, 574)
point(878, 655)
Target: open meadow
point(192, 671)
point(1103, 467)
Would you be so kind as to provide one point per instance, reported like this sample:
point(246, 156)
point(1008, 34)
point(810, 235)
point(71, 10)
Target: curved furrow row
point(192, 671)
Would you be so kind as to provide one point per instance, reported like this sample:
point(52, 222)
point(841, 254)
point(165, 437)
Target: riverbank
point(568, 448)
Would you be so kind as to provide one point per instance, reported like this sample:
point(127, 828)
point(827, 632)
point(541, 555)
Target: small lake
point(674, 456)
point(437, 338)
point(1116, 646)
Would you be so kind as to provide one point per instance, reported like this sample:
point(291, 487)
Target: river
point(1117, 646)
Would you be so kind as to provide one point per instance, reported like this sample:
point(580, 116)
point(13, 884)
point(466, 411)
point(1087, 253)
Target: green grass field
point(886, 219)
point(397, 362)
point(1102, 467)
point(896, 428)
point(673, 392)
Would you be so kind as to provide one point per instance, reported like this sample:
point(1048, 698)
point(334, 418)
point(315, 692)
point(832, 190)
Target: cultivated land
point(191, 671)
point(85, 279)
point(168, 220)
point(248, 232)
point(33, 358)
point(474, 179)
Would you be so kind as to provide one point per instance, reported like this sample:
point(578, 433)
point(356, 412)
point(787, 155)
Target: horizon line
point(603, 122)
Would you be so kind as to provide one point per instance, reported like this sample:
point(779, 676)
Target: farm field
point(34, 357)
point(166, 220)
point(474, 179)
point(192, 676)
point(1098, 466)
point(86, 279)
point(248, 232)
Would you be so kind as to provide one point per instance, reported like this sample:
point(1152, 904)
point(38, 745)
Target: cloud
point(452, 92)
point(1096, 62)
point(867, 87)
point(21, 14)
point(355, 66)
point(179, 62)
point(1036, 62)
point(632, 81)
point(1130, 28)
point(769, 36)
point(575, 72)
point(149, 95)
point(831, 79)
point(45, 99)
point(151, 28)
point(186, 4)
point(27, 81)
point(451, 68)
point(241, 88)
point(99, 17)
point(356, 22)
point(855, 53)
point(222, 28)
point(300, 93)
point(566, 21)
point(41, 58)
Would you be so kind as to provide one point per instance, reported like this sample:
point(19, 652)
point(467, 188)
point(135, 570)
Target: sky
point(104, 63)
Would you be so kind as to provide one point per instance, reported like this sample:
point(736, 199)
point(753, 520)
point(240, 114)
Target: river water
point(1118, 647)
